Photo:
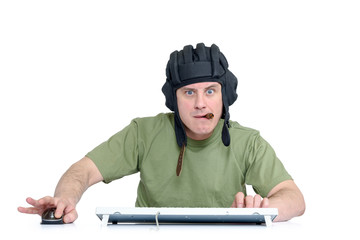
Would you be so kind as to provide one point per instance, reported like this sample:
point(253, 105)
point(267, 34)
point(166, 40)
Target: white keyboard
point(114, 215)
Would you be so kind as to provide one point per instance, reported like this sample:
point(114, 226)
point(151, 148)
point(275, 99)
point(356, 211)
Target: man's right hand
point(63, 207)
point(68, 192)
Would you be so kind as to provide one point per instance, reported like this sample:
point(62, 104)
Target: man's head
point(195, 71)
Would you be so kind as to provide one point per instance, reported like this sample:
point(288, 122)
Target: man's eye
point(210, 91)
point(189, 93)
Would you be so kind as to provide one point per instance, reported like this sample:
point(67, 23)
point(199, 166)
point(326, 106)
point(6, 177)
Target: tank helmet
point(202, 64)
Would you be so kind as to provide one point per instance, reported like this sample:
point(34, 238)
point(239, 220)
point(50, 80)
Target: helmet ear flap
point(168, 91)
point(230, 87)
point(172, 73)
point(180, 132)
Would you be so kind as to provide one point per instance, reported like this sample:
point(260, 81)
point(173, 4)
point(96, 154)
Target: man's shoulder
point(161, 120)
point(160, 126)
point(237, 128)
point(156, 118)
point(243, 136)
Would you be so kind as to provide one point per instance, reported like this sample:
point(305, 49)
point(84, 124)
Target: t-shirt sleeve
point(264, 170)
point(117, 157)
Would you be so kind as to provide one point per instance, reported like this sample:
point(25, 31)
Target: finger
point(70, 217)
point(30, 210)
point(239, 200)
point(233, 205)
point(46, 202)
point(257, 201)
point(31, 201)
point(38, 205)
point(60, 209)
point(249, 201)
point(265, 203)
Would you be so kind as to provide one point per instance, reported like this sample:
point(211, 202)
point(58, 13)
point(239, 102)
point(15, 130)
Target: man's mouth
point(206, 116)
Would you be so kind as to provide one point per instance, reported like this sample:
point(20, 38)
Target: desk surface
point(88, 225)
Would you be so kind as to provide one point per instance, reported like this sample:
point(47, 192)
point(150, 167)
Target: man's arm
point(288, 199)
point(285, 196)
point(79, 177)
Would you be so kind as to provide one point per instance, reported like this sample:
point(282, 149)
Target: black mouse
point(48, 217)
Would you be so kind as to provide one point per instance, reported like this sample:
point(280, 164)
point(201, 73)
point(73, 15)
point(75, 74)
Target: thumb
point(70, 216)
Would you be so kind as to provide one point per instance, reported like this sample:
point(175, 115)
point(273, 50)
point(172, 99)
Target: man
point(192, 157)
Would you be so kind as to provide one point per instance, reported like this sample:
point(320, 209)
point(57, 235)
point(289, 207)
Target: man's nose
point(200, 102)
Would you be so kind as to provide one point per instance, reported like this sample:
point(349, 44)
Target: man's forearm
point(290, 203)
point(72, 184)
point(77, 179)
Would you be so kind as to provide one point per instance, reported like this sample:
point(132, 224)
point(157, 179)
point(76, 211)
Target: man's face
point(194, 102)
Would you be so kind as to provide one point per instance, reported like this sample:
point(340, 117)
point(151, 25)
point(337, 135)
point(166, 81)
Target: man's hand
point(63, 207)
point(285, 196)
point(249, 201)
point(68, 192)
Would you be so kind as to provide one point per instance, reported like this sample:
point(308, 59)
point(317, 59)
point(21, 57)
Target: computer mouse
point(48, 217)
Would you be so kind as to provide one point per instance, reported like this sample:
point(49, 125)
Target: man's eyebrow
point(187, 88)
point(212, 86)
point(194, 89)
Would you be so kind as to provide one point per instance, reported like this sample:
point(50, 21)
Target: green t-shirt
point(211, 173)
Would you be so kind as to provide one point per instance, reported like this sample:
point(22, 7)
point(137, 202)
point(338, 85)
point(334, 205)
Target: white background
point(73, 73)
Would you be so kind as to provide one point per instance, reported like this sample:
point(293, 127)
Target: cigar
point(209, 116)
